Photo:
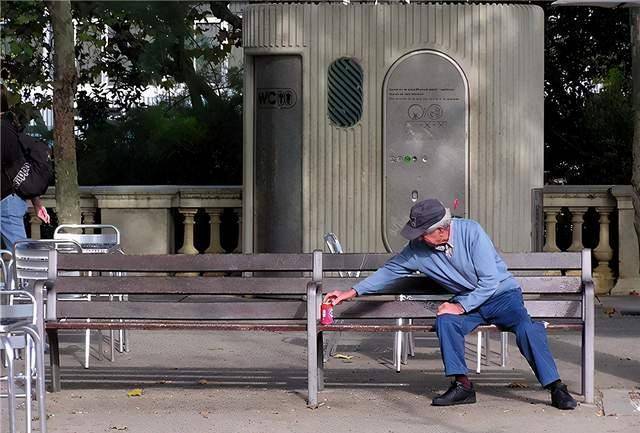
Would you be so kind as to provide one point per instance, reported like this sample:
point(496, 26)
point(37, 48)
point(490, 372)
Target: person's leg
point(12, 211)
point(508, 312)
point(451, 330)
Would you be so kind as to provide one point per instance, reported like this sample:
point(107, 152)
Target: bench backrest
point(216, 296)
point(553, 285)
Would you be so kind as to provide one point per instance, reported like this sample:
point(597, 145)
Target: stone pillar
point(550, 221)
point(189, 222)
point(628, 251)
point(34, 222)
point(89, 217)
point(577, 219)
point(215, 246)
point(239, 248)
point(602, 273)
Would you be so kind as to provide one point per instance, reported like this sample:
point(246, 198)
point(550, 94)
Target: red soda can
point(326, 314)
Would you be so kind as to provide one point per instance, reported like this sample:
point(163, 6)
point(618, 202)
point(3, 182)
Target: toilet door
point(425, 132)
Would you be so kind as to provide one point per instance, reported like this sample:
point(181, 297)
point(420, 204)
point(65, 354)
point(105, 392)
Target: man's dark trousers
point(505, 310)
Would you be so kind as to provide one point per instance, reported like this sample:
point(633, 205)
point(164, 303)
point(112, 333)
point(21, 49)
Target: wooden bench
point(558, 289)
point(213, 302)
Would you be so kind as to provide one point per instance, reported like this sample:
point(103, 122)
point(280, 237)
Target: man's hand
point(450, 308)
point(337, 296)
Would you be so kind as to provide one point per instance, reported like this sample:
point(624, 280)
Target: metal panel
point(425, 138)
point(277, 310)
point(500, 48)
point(278, 154)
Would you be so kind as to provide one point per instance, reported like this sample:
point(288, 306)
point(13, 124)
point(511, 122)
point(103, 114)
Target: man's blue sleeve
point(399, 266)
point(483, 258)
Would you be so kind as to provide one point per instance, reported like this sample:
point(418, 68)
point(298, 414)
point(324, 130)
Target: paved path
point(255, 382)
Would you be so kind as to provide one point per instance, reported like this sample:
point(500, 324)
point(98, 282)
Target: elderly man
point(459, 255)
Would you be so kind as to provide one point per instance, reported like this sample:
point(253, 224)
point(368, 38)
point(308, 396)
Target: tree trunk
point(64, 90)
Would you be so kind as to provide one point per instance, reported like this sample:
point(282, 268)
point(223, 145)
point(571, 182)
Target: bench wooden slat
point(186, 263)
point(361, 327)
point(419, 309)
point(371, 262)
point(182, 285)
point(179, 325)
point(247, 310)
point(420, 285)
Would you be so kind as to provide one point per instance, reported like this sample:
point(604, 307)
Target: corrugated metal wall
point(500, 48)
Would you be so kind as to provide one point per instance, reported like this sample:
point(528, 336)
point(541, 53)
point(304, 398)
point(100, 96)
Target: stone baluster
point(239, 248)
point(604, 254)
point(577, 219)
point(215, 246)
point(550, 221)
point(34, 223)
point(89, 217)
point(189, 222)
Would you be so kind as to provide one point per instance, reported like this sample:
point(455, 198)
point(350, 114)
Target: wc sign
point(276, 98)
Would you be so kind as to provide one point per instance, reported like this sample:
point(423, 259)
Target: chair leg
point(87, 347)
point(412, 341)
point(487, 347)
point(11, 386)
point(27, 383)
point(40, 391)
point(504, 348)
point(112, 353)
point(405, 348)
point(397, 347)
point(479, 352)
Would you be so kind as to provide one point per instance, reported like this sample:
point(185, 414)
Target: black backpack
point(31, 174)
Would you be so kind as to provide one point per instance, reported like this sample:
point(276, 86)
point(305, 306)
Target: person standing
point(12, 207)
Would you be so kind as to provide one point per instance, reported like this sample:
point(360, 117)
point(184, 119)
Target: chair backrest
point(5, 267)
point(21, 307)
point(31, 258)
point(336, 248)
point(106, 241)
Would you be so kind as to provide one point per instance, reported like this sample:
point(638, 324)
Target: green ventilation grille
point(345, 92)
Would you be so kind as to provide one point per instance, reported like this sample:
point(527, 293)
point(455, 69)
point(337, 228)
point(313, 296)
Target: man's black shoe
point(456, 394)
point(561, 398)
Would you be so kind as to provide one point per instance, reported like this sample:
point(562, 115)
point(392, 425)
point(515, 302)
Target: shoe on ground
point(456, 394)
point(561, 398)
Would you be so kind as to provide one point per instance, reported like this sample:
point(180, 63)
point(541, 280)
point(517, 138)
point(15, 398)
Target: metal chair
point(18, 329)
point(107, 241)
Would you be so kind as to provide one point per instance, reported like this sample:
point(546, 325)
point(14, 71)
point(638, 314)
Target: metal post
point(312, 345)
point(588, 330)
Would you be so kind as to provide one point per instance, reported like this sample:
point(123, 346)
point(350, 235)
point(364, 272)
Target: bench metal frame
point(564, 299)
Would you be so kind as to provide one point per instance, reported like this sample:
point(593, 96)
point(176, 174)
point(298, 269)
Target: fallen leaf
point(517, 385)
point(634, 293)
point(136, 392)
point(204, 414)
point(119, 427)
point(609, 311)
point(203, 382)
point(341, 356)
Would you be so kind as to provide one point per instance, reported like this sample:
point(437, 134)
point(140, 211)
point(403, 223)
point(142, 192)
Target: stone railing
point(192, 220)
point(598, 217)
point(151, 218)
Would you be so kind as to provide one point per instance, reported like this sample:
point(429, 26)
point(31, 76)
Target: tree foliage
point(175, 46)
point(588, 111)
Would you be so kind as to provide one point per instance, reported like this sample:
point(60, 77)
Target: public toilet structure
point(355, 112)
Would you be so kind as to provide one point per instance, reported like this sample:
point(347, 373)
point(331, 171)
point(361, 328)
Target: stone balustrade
point(150, 218)
point(191, 220)
point(616, 256)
